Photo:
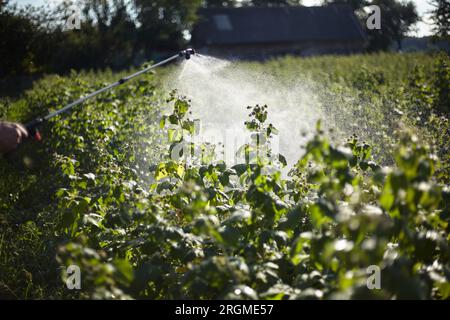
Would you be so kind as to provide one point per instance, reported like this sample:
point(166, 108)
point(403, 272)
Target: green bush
point(104, 193)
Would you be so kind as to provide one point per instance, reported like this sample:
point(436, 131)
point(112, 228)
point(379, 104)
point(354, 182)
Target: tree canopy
point(397, 19)
point(440, 15)
point(36, 40)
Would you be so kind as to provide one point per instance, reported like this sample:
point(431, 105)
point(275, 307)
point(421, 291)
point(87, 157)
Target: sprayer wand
point(33, 126)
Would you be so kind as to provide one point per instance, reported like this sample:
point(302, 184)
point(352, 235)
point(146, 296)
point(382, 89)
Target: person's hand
point(11, 135)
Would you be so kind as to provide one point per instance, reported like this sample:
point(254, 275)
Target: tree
point(3, 4)
point(115, 31)
point(17, 35)
point(106, 37)
point(271, 3)
point(355, 4)
point(165, 23)
point(440, 15)
point(397, 18)
point(219, 3)
point(250, 3)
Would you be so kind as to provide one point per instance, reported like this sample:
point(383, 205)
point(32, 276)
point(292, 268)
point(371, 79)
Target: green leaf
point(292, 220)
point(282, 160)
point(124, 271)
point(162, 122)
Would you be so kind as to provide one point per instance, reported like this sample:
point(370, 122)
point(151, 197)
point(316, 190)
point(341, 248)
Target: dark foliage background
point(120, 33)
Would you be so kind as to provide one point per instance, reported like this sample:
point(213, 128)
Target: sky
point(422, 28)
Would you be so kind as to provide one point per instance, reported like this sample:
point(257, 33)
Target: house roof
point(224, 26)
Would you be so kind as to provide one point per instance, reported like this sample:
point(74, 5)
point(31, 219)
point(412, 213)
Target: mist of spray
point(221, 91)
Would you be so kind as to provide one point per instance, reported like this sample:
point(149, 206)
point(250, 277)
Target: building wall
point(265, 51)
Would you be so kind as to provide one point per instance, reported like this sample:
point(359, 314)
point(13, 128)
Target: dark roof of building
point(276, 24)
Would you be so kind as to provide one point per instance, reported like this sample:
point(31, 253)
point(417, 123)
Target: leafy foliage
point(109, 195)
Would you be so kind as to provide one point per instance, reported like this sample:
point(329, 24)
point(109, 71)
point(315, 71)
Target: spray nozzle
point(187, 53)
point(33, 128)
